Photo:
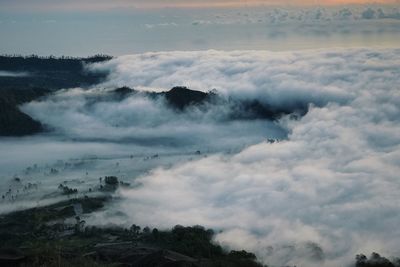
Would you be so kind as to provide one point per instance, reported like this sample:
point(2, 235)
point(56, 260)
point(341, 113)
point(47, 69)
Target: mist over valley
point(229, 136)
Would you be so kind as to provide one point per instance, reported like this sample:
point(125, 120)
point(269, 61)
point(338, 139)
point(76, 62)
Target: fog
point(140, 119)
point(325, 191)
point(13, 74)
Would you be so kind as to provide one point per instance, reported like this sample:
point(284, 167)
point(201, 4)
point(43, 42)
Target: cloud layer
point(276, 79)
point(101, 115)
point(328, 192)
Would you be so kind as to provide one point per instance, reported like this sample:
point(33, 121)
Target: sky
point(42, 5)
point(82, 28)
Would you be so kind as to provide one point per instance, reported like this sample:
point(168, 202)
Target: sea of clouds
point(329, 189)
point(328, 192)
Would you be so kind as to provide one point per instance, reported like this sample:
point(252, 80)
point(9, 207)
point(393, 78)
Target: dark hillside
point(181, 97)
point(13, 122)
point(23, 79)
point(42, 237)
point(48, 72)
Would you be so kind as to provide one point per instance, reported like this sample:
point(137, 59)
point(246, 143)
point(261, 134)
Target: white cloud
point(327, 193)
point(275, 78)
point(321, 196)
point(97, 114)
point(317, 16)
point(165, 24)
point(13, 74)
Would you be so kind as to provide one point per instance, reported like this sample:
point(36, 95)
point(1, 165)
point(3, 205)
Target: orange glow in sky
point(241, 3)
point(65, 5)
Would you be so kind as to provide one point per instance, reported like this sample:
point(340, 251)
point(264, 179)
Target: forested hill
point(23, 79)
point(21, 72)
point(13, 122)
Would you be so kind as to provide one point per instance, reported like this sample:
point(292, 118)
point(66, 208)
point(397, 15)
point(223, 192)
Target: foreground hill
point(56, 236)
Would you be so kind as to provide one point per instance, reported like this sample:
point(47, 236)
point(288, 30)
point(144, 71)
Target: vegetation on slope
point(55, 236)
point(23, 79)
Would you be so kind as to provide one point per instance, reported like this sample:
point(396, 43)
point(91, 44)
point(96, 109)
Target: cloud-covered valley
point(328, 192)
point(329, 189)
